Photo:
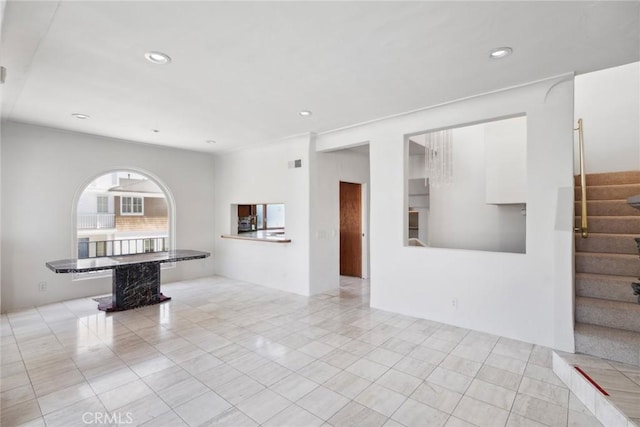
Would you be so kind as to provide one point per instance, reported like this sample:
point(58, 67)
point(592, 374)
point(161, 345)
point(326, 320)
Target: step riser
point(609, 289)
point(613, 178)
point(607, 265)
point(618, 351)
point(607, 208)
point(616, 225)
point(622, 244)
point(609, 192)
point(608, 317)
point(604, 296)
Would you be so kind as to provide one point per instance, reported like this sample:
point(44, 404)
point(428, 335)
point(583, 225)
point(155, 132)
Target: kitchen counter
point(273, 236)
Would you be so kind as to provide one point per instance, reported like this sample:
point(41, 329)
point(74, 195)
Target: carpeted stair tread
point(612, 224)
point(606, 264)
point(612, 314)
point(608, 343)
point(606, 286)
point(607, 243)
point(609, 192)
point(616, 264)
point(610, 178)
point(607, 208)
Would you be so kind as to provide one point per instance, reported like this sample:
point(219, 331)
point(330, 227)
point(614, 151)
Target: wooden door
point(350, 229)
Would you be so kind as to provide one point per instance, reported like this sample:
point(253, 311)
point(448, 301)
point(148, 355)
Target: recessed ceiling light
point(500, 52)
point(210, 141)
point(155, 130)
point(305, 113)
point(158, 58)
point(80, 116)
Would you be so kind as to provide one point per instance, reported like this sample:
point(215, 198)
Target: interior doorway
point(350, 229)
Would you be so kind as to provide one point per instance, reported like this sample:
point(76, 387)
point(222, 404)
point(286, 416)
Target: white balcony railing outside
point(105, 248)
point(96, 221)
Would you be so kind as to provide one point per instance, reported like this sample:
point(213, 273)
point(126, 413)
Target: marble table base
point(107, 304)
point(135, 285)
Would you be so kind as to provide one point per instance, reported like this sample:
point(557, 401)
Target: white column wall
point(262, 175)
point(331, 168)
point(608, 101)
point(522, 296)
point(3, 3)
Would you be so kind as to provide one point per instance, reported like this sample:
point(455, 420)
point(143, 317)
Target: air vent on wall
point(295, 163)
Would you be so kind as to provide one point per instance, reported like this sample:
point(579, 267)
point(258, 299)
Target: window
point(103, 204)
point(260, 216)
point(269, 216)
point(275, 216)
point(101, 249)
point(263, 216)
point(83, 247)
point(109, 218)
point(131, 205)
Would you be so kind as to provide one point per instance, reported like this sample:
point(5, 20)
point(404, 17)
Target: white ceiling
point(241, 71)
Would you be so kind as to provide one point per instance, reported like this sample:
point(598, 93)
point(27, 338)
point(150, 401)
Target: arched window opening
point(123, 212)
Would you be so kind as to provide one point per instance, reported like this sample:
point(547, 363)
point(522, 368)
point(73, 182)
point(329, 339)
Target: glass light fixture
point(438, 157)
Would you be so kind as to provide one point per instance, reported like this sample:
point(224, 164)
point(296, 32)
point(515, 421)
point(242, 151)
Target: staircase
point(607, 262)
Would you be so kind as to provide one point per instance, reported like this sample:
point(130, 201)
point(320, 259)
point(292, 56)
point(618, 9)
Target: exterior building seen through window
point(121, 213)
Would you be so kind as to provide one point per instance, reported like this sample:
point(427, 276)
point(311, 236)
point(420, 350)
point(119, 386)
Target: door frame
point(364, 207)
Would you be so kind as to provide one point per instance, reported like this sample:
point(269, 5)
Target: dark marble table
point(136, 278)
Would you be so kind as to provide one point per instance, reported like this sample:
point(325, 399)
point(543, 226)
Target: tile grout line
point(314, 324)
point(25, 365)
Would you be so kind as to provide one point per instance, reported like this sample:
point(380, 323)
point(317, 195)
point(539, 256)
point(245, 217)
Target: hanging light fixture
point(438, 157)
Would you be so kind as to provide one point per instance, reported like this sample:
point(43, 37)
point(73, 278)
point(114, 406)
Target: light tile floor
point(620, 404)
point(227, 353)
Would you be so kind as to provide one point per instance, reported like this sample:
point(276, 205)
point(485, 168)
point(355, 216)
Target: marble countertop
point(275, 236)
point(109, 263)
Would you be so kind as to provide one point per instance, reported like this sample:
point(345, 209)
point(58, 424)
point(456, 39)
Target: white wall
point(505, 155)
point(331, 168)
point(43, 168)
point(88, 203)
point(608, 101)
point(459, 215)
point(523, 296)
point(262, 175)
point(3, 3)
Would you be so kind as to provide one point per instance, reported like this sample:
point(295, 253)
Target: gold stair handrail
point(583, 229)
